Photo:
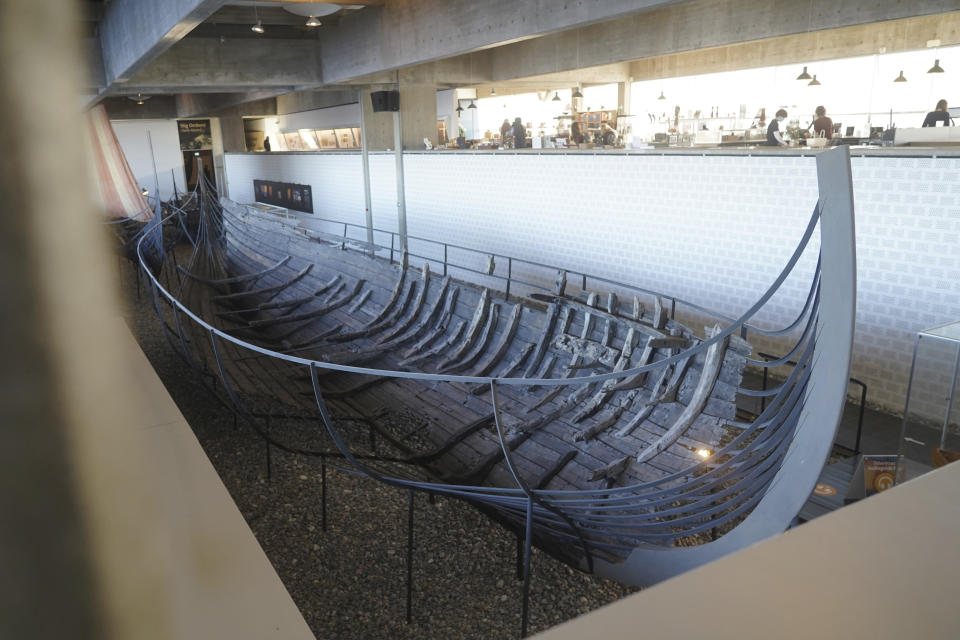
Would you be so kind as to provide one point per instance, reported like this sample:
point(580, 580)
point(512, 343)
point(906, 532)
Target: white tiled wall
point(714, 230)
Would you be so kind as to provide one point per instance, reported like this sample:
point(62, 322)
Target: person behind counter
point(519, 134)
point(940, 114)
point(822, 123)
point(774, 139)
point(607, 135)
point(504, 131)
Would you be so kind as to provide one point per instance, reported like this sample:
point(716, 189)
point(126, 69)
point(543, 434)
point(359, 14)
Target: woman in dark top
point(774, 139)
point(519, 134)
point(822, 123)
point(940, 114)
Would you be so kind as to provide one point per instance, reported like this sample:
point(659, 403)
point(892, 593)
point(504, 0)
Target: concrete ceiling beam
point(135, 32)
point(694, 26)
point(191, 105)
point(404, 33)
point(196, 64)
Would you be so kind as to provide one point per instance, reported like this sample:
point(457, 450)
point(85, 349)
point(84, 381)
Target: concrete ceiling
point(186, 47)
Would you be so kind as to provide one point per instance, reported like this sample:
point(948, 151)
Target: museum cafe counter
point(946, 151)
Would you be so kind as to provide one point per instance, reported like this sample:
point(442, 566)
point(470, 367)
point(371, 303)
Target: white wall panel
point(714, 230)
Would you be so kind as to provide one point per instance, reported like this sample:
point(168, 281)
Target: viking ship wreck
point(578, 411)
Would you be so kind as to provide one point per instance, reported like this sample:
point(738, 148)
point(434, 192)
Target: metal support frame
point(410, 557)
point(365, 161)
point(401, 190)
point(860, 383)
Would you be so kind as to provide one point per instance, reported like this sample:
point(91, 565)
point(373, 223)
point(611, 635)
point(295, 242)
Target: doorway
point(191, 159)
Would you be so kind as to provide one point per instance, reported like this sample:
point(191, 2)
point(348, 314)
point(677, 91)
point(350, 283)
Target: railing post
point(391, 247)
point(444, 258)
point(509, 274)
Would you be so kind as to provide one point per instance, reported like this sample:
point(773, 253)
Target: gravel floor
point(349, 581)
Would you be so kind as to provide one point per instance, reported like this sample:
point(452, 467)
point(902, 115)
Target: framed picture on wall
point(284, 194)
point(327, 139)
point(294, 141)
point(345, 138)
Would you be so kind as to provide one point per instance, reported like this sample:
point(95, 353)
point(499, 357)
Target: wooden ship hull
point(585, 415)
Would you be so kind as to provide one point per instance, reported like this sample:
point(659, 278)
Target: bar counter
point(946, 151)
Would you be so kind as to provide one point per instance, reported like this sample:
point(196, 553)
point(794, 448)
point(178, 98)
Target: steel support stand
point(365, 162)
point(410, 558)
point(323, 493)
point(528, 552)
point(267, 442)
point(519, 555)
point(401, 197)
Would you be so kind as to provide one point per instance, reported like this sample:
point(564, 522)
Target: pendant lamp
point(803, 75)
point(936, 68)
point(900, 77)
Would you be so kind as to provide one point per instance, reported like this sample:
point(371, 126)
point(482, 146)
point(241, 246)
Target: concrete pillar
point(378, 127)
point(418, 104)
point(231, 129)
point(624, 104)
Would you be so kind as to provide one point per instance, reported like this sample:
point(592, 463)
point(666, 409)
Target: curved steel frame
point(760, 479)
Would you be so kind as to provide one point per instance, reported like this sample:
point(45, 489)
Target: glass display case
point(930, 432)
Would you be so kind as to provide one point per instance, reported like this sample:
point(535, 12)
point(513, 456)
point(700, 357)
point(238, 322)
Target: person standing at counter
point(940, 114)
point(822, 123)
point(774, 139)
point(519, 134)
point(266, 143)
point(504, 131)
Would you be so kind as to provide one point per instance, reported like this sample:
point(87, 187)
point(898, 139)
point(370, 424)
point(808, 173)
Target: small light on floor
point(703, 453)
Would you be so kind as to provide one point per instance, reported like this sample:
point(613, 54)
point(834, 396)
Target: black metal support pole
point(323, 493)
point(528, 551)
point(267, 442)
point(519, 555)
point(410, 559)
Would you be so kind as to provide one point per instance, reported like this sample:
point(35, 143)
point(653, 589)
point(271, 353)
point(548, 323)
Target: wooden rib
point(613, 470)
point(426, 320)
point(441, 325)
point(313, 313)
point(646, 408)
point(385, 323)
point(396, 292)
point(247, 277)
point(417, 308)
point(549, 474)
point(458, 330)
point(708, 377)
point(503, 344)
point(507, 371)
point(331, 306)
point(590, 432)
point(609, 387)
point(493, 317)
point(279, 304)
point(549, 321)
point(360, 301)
point(453, 440)
point(277, 288)
point(473, 331)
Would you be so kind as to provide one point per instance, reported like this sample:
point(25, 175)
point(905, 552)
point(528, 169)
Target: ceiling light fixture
point(556, 96)
point(900, 77)
point(814, 82)
point(459, 108)
point(257, 28)
point(662, 97)
point(936, 68)
point(139, 98)
point(576, 92)
point(493, 91)
point(471, 105)
point(313, 22)
point(803, 75)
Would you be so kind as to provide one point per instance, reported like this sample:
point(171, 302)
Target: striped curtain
point(120, 196)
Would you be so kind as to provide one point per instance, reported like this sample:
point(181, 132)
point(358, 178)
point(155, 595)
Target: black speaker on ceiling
point(385, 100)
